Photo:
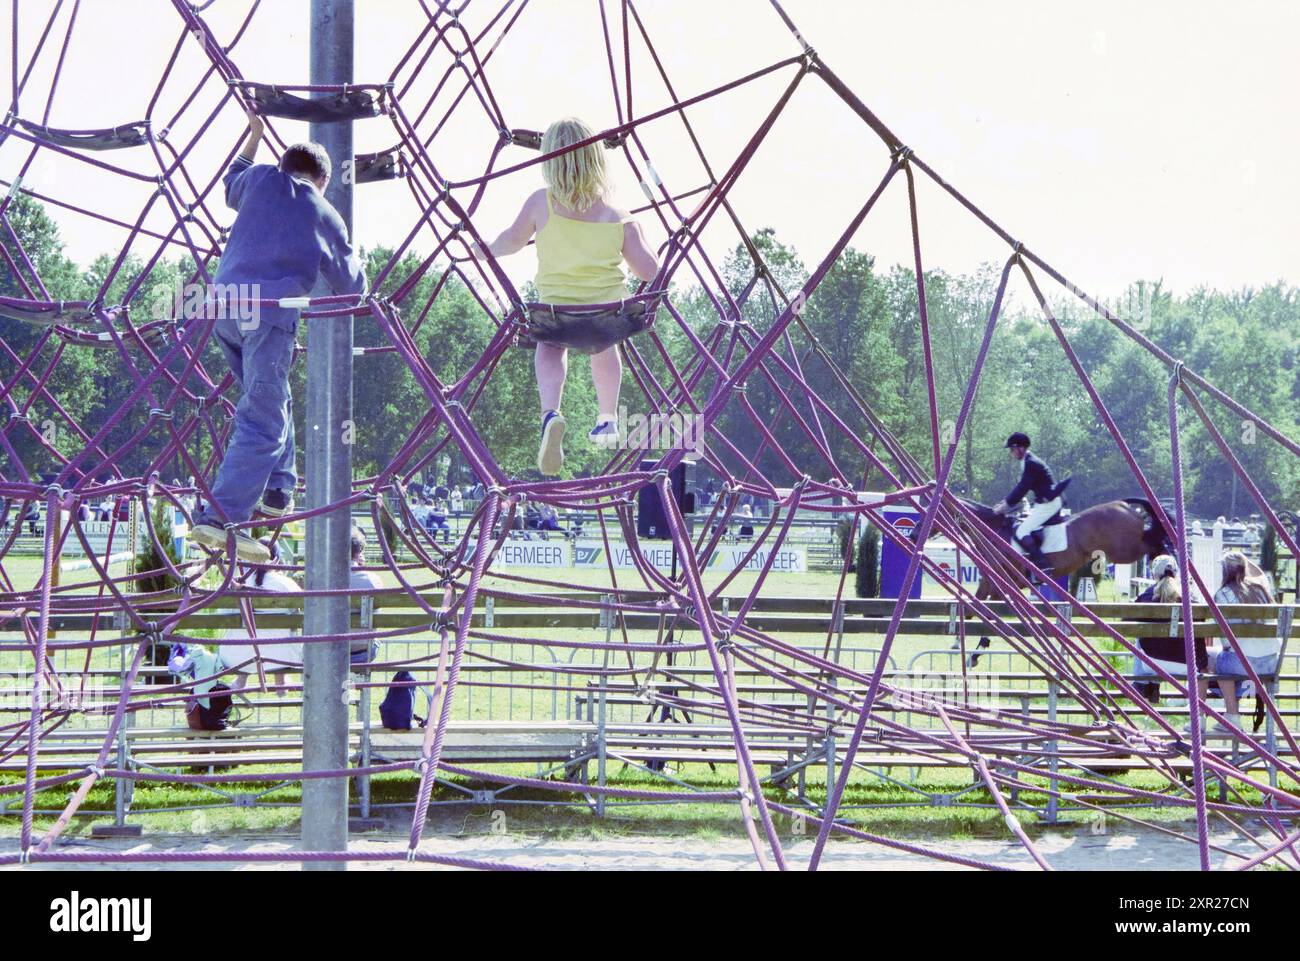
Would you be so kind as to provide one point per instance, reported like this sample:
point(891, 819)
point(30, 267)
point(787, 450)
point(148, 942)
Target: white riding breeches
point(1038, 515)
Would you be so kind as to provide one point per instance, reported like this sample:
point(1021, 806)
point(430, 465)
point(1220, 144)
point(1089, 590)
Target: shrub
point(868, 579)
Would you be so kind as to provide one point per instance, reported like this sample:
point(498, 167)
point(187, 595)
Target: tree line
point(857, 336)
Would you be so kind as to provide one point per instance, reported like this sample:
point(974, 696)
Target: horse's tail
point(1155, 538)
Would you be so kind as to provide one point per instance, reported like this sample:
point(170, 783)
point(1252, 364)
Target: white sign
point(519, 553)
point(659, 554)
point(946, 559)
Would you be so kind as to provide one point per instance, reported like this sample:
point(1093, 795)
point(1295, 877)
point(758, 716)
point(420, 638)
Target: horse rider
point(1035, 478)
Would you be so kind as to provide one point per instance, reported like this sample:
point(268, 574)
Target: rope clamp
point(1176, 374)
point(162, 414)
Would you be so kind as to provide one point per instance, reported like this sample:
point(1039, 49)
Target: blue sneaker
point(604, 435)
point(550, 455)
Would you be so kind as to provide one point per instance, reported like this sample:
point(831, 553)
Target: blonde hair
point(1250, 588)
point(1167, 590)
point(577, 178)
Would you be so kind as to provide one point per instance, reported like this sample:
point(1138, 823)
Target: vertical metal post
point(1064, 614)
point(607, 616)
point(363, 785)
point(329, 480)
point(828, 744)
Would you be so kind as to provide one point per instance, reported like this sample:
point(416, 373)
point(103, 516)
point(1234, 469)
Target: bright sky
point(1119, 140)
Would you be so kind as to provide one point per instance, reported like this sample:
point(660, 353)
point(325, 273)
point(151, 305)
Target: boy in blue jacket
point(286, 235)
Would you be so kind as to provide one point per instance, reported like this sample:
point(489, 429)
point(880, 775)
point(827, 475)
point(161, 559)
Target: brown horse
point(1116, 532)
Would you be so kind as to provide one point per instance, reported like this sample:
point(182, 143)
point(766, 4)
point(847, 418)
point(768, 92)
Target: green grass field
point(889, 806)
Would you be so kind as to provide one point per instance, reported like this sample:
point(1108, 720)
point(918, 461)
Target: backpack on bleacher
point(397, 709)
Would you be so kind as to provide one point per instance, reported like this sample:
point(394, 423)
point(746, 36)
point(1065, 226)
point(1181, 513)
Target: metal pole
point(329, 480)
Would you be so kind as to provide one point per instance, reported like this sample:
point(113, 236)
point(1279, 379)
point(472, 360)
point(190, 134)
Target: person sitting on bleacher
point(245, 657)
point(209, 707)
point(549, 520)
point(436, 520)
point(746, 523)
point(32, 516)
point(1166, 652)
point(363, 649)
point(1243, 583)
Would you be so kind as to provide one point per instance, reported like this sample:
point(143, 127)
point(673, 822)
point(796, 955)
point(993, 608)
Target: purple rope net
point(751, 684)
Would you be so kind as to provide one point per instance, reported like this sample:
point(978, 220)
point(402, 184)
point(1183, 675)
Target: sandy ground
point(1076, 849)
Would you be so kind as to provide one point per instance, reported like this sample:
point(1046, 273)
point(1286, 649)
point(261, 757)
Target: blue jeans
point(1229, 664)
point(260, 455)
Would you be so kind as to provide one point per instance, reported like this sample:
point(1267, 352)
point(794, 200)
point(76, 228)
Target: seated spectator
point(436, 520)
point(550, 521)
point(364, 649)
point(746, 527)
point(1243, 583)
point(205, 667)
point(1167, 653)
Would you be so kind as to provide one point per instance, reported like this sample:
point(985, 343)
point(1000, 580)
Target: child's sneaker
point(604, 435)
point(550, 455)
point(213, 536)
point(275, 503)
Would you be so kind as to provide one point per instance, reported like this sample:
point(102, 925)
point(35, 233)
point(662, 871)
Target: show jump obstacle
point(437, 102)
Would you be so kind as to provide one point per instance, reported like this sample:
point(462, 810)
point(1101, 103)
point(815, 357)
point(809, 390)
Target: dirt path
point(1073, 849)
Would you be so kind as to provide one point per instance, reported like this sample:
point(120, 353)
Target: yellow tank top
point(578, 261)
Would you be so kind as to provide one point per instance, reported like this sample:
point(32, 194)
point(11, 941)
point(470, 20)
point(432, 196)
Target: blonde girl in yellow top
point(582, 244)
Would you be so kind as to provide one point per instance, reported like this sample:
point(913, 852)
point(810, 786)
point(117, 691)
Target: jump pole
point(329, 480)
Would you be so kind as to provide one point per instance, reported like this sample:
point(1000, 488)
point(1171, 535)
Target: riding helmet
point(1018, 440)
